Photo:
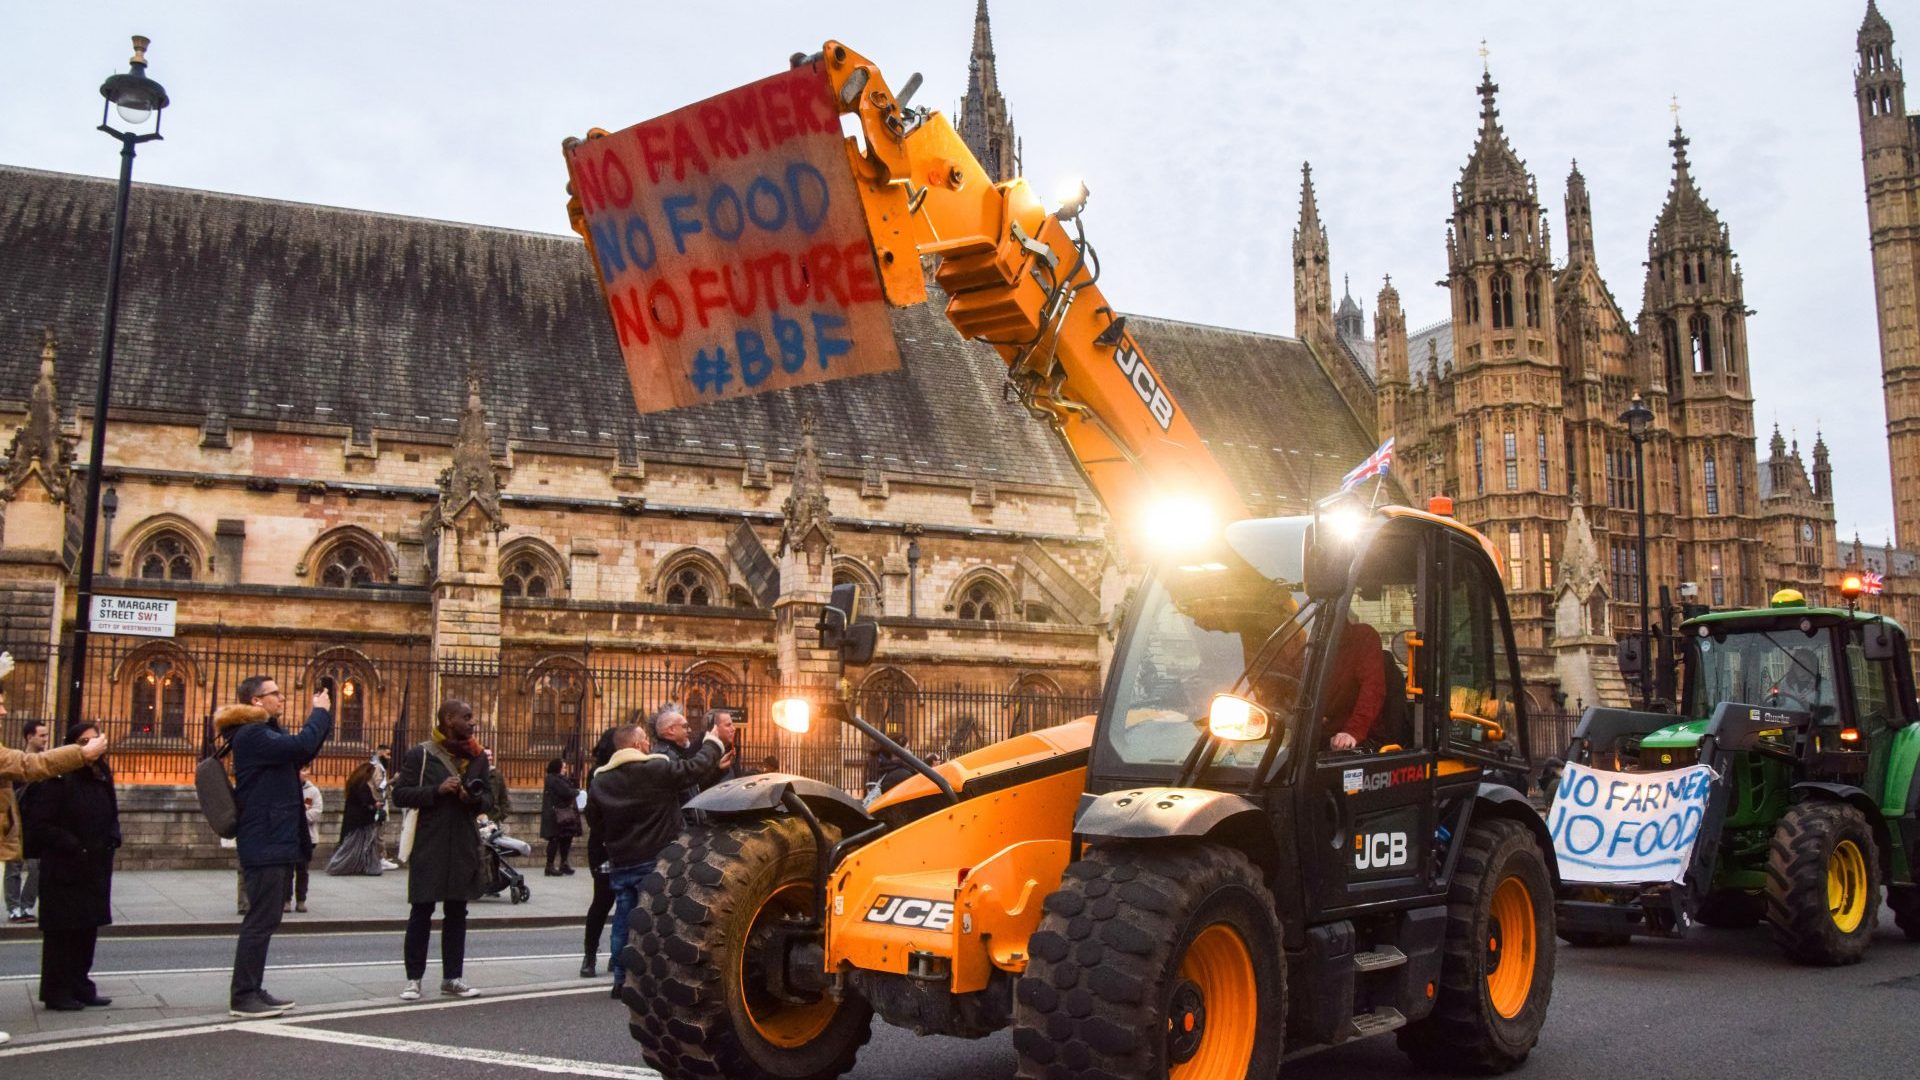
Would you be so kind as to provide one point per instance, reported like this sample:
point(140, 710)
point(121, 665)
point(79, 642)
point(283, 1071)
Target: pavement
point(149, 903)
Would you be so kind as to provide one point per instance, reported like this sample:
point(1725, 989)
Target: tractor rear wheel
point(1154, 961)
point(1496, 976)
point(1823, 884)
point(701, 948)
point(1731, 909)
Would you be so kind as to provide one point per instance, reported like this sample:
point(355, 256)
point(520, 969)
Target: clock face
point(1806, 533)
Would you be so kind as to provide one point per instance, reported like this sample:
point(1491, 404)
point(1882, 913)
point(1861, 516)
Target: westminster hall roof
point(277, 313)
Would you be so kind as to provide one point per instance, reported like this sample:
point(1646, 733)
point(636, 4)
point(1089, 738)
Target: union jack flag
point(1872, 583)
point(1375, 465)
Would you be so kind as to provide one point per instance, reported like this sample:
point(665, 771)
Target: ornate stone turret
point(470, 481)
point(1312, 277)
point(466, 583)
point(806, 572)
point(984, 124)
point(808, 524)
point(38, 451)
point(1582, 619)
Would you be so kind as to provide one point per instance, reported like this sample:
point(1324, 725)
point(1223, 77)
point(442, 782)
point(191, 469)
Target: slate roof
point(1427, 342)
point(277, 312)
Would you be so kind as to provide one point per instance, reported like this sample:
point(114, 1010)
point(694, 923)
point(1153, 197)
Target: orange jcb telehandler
point(1192, 883)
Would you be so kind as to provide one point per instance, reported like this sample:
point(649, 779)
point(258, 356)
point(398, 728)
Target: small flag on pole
point(1872, 583)
point(1376, 465)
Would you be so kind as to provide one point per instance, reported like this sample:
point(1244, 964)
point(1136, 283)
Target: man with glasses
point(272, 835)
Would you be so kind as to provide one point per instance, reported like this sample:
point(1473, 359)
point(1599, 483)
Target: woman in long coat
point(73, 828)
point(559, 817)
point(445, 779)
point(359, 848)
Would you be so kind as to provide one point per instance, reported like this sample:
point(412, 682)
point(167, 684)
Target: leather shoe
point(96, 1001)
point(59, 1005)
point(551, 872)
point(586, 968)
point(566, 871)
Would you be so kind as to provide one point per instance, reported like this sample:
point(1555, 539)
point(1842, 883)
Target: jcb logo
point(1134, 367)
point(1377, 851)
point(911, 911)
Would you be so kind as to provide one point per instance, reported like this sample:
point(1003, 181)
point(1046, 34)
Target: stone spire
point(1579, 211)
point(1349, 320)
point(1581, 568)
point(470, 479)
point(1312, 276)
point(1493, 166)
point(806, 513)
point(985, 125)
point(1822, 469)
point(38, 448)
point(1389, 335)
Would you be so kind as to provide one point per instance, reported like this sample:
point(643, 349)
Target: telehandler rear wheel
point(700, 950)
point(1497, 973)
point(1154, 961)
point(1823, 884)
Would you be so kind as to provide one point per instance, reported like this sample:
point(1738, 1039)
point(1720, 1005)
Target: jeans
point(23, 885)
point(266, 890)
point(626, 893)
point(453, 939)
point(597, 909)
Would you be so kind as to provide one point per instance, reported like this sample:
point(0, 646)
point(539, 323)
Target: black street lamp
point(109, 506)
point(136, 99)
point(913, 576)
point(1638, 418)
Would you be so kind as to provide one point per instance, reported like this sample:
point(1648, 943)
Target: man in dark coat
point(445, 778)
point(633, 805)
point(272, 835)
point(73, 828)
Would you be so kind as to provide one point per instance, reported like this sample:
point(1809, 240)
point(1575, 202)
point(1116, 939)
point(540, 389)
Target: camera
point(477, 787)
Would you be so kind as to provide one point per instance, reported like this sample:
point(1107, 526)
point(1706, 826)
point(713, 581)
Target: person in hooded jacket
point(272, 837)
point(73, 828)
point(634, 804)
point(18, 766)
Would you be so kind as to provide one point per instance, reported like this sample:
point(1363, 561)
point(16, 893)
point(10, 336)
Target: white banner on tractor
point(1614, 828)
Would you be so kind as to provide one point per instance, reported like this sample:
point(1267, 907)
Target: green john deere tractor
point(1807, 717)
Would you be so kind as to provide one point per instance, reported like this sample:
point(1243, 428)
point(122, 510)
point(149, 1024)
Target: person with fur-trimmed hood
point(16, 766)
point(634, 804)
point(272, 835)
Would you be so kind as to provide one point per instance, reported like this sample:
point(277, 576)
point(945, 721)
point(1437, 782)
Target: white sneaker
point(4, 1037)
point(412, 991)
point(389, 864)
point(458, 988)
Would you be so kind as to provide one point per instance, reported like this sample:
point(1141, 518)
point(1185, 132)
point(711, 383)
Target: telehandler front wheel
point(1154, 961)
point(1823, 884)
point(701, 960)
point(1496, 975)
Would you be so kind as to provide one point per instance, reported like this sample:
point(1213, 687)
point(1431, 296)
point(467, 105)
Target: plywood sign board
point(731, 246)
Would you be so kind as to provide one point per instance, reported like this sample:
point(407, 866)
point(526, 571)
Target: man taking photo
point(272, 835)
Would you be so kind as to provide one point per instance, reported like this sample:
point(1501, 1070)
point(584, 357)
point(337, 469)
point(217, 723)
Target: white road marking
point(535, 1062)
point(287, 967)
point(89, 1038)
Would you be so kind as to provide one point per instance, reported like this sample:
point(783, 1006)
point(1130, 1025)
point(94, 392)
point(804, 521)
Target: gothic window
point(1542, 441)
point(1502, 301)
point(1487, 221)
point(1726, 343)
point(1513, 462)
point(1479, 467)
point(689, 584)
point(348, 565)
point(1719, 582)
point(350, 682)
point(1701, 329)
point(1505, 232)
point(708, 687)
point(887, 700)
point(525, 577)
point(1713, 485)
point(559, 694)
point(1686, 271)
point(1470, 301)
point(1700, 269)
point(1670, 336)
point(1739, 485)
point(1533, 301)
point(981, 598)
point(1546, 560)
point(1036, 702)
point(1516, 559)
point(160, 698)
point(165, 556)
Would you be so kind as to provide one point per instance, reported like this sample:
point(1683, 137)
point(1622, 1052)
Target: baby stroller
point(501, 876)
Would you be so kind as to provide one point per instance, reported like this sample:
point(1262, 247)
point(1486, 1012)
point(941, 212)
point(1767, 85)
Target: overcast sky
point(1188, 120)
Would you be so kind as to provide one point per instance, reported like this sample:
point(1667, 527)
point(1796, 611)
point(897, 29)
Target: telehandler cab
point(1193, 883)
point(1806, 715)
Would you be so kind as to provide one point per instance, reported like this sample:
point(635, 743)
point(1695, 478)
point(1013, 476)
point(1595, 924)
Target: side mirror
point(1632, 660)
point(1877, 641)
point(842, 628)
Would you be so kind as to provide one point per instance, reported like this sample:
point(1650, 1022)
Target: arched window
point(1670, 337)
point(1686, 270)
point(1712, 474)
point(1533, 301)
point(525, 577)
point(1727, 325)
point(851, 571)
point(981, 597)
point(1701, 330)
point(1036, 702)
point(353, 686)
point(689, 583)
point(159, 694)
point(887, 701)
point(1502, 300)
point(1506, 232)
point(165, 556)
point(706, 687)
point(559, 694)
point(1700, 269)
point(1470, 300)
point(530, 568)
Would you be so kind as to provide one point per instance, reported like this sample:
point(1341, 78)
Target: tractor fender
point(1499, 800)
point(1858, 799)
point(764, 793)
point(1153, 813)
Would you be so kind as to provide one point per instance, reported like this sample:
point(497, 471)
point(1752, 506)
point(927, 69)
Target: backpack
point(215, 792)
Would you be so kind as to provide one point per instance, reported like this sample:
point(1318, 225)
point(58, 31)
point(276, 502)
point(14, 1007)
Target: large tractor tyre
point(698, 953)
point(1731, 909)
point(1496, 974)
point(1154, 961)
point(1823, 884)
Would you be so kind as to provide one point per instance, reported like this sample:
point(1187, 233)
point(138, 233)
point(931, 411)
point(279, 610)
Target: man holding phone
point(273, 836)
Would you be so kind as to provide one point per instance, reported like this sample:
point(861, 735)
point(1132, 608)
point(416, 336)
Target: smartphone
point(326, 683)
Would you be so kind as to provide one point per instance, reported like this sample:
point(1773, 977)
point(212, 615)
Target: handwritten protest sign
point(1627, 828)
point(731, 246)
